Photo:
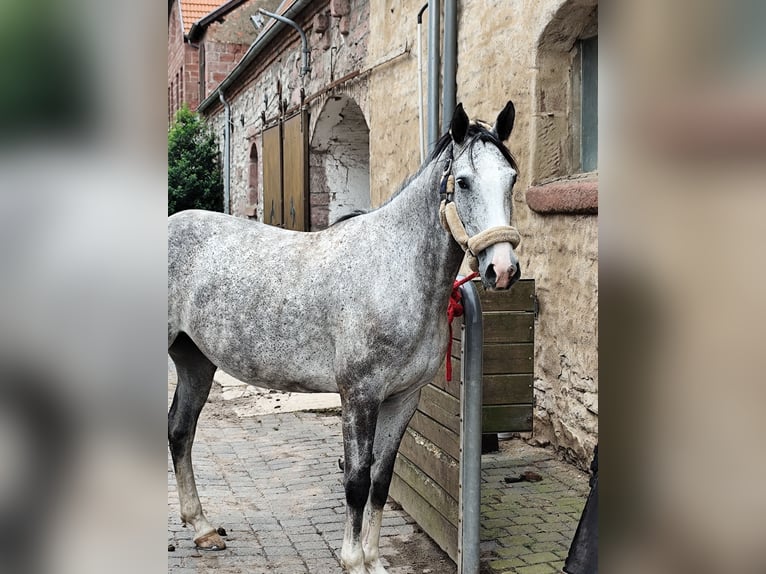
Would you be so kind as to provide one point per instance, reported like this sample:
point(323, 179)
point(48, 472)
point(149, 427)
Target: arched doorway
point(339, 162)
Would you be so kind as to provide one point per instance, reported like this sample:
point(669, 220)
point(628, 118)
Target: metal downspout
point(226, 153)
point(472, 367)
point(421, 131)
point(434, 69)
point(304, 41)
point(450, 63)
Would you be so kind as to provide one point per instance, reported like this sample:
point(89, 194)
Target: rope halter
point(451, 222)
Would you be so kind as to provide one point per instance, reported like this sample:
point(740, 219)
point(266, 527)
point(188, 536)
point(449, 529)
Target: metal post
point(449, 95)
point(226, 154)
point(472, 369)
point(434, 71)
point(420, 83)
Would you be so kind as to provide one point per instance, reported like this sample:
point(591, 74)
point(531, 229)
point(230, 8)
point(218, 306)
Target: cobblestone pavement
point(273, 482)
point(527, 527)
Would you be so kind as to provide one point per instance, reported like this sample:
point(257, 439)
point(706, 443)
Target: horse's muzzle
point(499, 267)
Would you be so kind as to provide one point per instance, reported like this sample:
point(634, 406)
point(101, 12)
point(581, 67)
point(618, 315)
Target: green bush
point(194, 168)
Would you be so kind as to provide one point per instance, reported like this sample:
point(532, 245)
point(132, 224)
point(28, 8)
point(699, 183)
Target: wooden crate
point(427, 472)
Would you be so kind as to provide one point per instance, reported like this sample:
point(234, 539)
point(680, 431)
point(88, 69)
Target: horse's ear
point(459, 125)
point(504, 122)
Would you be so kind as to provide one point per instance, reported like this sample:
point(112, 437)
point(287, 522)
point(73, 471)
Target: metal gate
point(285, 173)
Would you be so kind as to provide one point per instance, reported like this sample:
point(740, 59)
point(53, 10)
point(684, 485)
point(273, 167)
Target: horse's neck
point(413, 217)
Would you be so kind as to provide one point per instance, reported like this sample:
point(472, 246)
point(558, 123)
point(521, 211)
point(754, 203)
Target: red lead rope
point(455, 309)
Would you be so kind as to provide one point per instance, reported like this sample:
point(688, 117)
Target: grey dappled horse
point(359, 308)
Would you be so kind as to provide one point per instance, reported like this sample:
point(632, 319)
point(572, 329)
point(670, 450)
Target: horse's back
point(237, 289)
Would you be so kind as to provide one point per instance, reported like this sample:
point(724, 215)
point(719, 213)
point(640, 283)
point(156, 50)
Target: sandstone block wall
point(275, 78)
point(504, 52)
point(498, 60)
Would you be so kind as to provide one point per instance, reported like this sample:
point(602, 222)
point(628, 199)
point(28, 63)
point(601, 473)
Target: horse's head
point(484, 173)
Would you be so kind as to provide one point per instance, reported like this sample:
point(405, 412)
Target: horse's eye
point(461, 183)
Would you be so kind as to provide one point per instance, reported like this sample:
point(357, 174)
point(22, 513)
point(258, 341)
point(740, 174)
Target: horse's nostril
point(490, 274)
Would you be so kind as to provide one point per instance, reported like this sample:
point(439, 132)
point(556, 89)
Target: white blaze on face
point(487, 204)
point(505, 264)
point(498, 183)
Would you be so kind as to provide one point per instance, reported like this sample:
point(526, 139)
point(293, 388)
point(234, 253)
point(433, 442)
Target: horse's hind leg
point(393, 418)
point(195, 377)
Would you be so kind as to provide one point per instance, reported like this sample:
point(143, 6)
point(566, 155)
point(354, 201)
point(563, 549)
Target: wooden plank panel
point(509, 359)
point(440, 406)
point(502, 327)
point(434, 524)
point(507, 389)
point(295, 171)
point(506, 418)
point(519, 298)
point(272, 176)
point(438, 465)
point(508, 327)
point(498, 388)
point(440, 381)
point(516, 358)
point(441, 436)
point(427, 488)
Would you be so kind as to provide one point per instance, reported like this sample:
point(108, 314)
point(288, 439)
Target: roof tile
point(194, 10)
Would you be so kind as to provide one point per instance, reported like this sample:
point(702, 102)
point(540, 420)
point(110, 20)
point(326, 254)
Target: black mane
point(349, 215)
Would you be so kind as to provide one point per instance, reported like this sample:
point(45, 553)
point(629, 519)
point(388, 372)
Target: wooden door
point(295, 171)
point(272, 176)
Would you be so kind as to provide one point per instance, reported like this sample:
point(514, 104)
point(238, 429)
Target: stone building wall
point(338, 50)
point(506, 50)
point(498, 60)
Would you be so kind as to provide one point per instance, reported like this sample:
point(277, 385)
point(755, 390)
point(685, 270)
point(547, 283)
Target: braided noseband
point(451, 222)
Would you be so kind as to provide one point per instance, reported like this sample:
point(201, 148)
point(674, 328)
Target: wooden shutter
point(295, 170)
point(272, 176)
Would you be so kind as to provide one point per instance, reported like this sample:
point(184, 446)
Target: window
point(566, 113)
point(588, 64)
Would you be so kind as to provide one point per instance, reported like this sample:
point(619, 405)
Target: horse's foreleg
point(195, 377)
point(359, 419)
point(395, 414)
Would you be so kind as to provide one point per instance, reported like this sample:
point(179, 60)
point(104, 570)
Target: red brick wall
point(183, 67)
point(220, 60)
point(191, 75)
point(175, 59)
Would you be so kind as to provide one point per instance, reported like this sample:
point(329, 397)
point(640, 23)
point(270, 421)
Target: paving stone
point(554, 547)
point(539, 557)
point(535, 569)
point(279, 494)
point(512, 551)
point(503, 565)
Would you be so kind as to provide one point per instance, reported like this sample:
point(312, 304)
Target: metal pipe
point(434, 69)
point(304, 41)
point(226, 153)
point(472, 367)
point(420, 84)
point(450, 62)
